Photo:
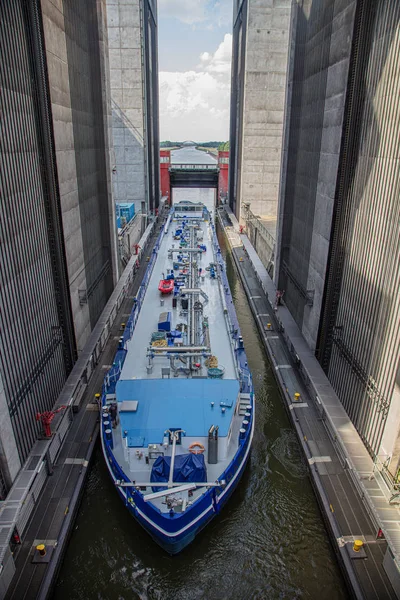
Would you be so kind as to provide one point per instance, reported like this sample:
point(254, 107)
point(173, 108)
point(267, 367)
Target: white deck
point(136, 362)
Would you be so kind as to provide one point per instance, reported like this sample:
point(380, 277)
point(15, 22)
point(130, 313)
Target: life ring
point(193, 448)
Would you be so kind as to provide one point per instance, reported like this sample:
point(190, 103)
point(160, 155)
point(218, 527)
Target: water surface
point(191, 155)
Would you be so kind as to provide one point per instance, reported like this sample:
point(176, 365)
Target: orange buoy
point(196, 448)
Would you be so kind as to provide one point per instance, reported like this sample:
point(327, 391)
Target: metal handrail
point(193, 167)
point(390, 481)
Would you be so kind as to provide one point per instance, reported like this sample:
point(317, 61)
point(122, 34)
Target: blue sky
point(194, 66)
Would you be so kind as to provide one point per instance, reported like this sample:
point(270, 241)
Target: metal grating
point(34, 365)
point(360, 329)
point(32, 464)
point(25, 513)
point(8, 515)
point(4, 536)
point(39, 483)
point(54, 447)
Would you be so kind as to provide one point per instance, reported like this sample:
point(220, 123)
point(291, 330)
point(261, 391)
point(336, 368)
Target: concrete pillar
point(125, 40)
point(263, 107)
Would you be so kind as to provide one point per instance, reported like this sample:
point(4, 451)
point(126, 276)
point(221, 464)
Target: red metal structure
point(47, 418)
point(223, 163)
point(165, 181)
point(165, 161)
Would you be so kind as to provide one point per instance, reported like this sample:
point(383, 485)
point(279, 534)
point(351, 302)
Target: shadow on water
point(268, 542)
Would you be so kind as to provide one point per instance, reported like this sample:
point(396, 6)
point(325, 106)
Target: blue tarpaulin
point(187, 468)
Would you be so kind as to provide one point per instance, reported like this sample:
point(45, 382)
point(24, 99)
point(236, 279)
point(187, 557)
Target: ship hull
point(174, 531)
point(174, 534)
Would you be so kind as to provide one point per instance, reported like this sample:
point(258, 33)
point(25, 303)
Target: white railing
point(193, 167)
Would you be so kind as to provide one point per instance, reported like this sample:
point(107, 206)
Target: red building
point(165, 160)
point(223, 163)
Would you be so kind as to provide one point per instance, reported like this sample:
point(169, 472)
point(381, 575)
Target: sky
point(194, 61)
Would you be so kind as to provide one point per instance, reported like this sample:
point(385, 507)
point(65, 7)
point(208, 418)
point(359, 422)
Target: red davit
point(47, 418)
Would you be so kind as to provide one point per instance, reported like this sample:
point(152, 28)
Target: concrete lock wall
point(317, 82)
point(338, 254)
point(75, 44)
point(125, 38)
point(37, 340)
point(59, 236)
point(264, 75)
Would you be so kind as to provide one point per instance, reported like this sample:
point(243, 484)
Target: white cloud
point(195, 104)
point(220, 61)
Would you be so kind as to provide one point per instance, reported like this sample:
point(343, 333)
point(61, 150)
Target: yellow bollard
point(122, 326)
point(358, 544)
point(148, 259)
point(97, 396)
point(41, 548)
point(241, 259)
point(269, 326)
point(296, 396)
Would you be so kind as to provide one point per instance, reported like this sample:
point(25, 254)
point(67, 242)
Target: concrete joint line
point(319, 459)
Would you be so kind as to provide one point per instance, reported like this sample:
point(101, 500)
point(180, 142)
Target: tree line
point(219, 145)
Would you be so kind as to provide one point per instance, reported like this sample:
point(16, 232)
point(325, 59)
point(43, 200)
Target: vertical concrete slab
point(127, 101)
point(264, 100)
point(316, 89)
point(57, 63)
point(110, 161)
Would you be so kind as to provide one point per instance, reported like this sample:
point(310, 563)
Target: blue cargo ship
point(178, 404)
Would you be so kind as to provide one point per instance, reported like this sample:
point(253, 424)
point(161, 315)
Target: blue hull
point(174, 531)
point(196, 517)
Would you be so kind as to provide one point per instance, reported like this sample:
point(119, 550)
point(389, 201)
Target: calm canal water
point(191, 156)
point(269, 541)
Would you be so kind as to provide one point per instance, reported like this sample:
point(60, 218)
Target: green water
point(268, 542)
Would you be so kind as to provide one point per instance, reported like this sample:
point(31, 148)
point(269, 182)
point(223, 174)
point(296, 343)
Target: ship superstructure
point(178, 407)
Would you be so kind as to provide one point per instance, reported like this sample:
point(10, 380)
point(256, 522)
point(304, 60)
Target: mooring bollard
point(358, 544)
point(41, 548)
point(296, 396)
